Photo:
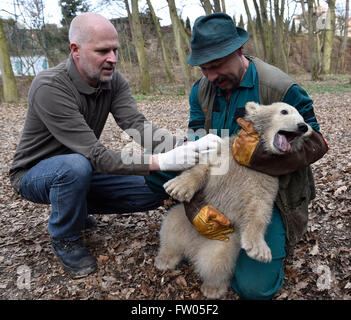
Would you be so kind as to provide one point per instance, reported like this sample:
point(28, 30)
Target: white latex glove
point(180, 158)
point(208, 143)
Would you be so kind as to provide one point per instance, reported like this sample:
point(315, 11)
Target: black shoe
point(90, 222)
point(74, 257)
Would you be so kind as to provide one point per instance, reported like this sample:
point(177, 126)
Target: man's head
point(216, 46)
point(227, 72)
point(94, 44)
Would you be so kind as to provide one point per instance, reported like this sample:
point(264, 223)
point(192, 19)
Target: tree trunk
point(268, 26)
point(223, 6)
point(217, 6)
point(180, 46)
point(165, 55)
point(314, 62)
point(328, 38)
point(286, 34)
point(267, 31)
point(140, 49)
point(264, 29)
point(8, 78)
point(281, 57)
point(260, 29)
point(206, 4)
point(344, 40)
point(257, 46)
point(184, 34)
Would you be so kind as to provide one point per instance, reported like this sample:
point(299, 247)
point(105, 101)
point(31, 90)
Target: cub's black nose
point(302, 127)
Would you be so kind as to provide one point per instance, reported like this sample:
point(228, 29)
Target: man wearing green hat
point(217, 100)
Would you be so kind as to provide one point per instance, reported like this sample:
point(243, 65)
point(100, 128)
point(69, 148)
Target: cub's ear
point(251, 107)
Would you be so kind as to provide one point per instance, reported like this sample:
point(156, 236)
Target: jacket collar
point(249, 77)
point(78, 81)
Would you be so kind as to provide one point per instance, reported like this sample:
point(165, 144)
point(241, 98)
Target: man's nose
point(112, 57)
point(212, 75)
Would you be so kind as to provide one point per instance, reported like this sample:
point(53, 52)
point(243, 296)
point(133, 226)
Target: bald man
point(60, 160)
point(94, 44)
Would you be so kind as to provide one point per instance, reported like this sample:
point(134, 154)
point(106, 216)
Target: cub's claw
point(257, 249)
point(179, 189)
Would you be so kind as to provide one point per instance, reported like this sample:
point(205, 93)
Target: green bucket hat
point(214, 36)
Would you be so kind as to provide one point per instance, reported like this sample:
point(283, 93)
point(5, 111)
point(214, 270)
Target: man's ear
point(241, 51)
point(74, 50)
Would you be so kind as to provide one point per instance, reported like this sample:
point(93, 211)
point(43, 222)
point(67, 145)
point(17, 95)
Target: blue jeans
point(74, 189)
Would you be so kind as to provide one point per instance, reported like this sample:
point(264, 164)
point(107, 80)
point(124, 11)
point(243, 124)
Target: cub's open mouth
point(290, 135)
point(283, 139)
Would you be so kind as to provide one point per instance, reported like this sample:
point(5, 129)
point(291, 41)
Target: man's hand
point(209, 142)
point(212, 224)
point(178, 159)
point(185, 156)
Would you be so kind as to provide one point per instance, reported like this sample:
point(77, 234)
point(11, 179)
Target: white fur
point(268, 120)
point(243, 195)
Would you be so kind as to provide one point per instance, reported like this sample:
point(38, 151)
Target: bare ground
point(125, 245)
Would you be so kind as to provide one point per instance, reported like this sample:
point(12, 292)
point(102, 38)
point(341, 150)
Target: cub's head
point(280, 126)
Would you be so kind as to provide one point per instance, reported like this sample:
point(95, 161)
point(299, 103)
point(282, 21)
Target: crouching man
point(60, 160)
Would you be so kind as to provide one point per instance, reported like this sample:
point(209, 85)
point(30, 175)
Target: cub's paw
point(212, 292)
point(180, 189)
point(166, 262)
point(257, 249)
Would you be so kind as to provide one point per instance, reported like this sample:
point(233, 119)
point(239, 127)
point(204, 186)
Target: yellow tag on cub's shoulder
point(212, 224)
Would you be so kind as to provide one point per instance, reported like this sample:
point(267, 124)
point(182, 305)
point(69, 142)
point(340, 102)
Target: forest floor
point(125, 245)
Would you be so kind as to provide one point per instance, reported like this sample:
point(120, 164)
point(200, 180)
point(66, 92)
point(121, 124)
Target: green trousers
point(258, 280)
point(251, 279)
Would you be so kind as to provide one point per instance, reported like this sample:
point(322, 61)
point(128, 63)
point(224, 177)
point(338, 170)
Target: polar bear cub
point(244, 196)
